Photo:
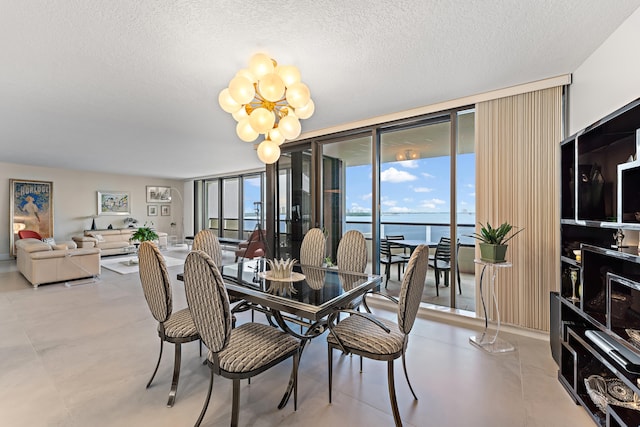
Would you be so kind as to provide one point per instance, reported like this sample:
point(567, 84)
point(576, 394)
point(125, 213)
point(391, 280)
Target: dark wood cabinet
point(599, 298)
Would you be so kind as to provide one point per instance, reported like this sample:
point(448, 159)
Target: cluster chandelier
point(267, 99)
point(407, 155)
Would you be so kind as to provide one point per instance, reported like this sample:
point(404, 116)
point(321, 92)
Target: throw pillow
point(99, 237)
point(60, 247)
point(49, 240)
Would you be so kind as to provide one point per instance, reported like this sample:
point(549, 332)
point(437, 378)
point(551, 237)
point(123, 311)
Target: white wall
point(75, 200)
point(608, 79)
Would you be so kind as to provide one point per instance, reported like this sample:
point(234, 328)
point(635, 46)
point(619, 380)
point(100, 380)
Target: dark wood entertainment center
point(595, 318)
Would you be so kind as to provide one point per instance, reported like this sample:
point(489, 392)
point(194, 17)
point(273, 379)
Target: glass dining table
point(306, 299)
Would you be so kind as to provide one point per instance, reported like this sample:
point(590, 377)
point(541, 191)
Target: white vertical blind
point(517, 180)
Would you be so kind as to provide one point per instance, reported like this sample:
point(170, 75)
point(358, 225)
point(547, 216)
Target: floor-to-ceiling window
point(231, 206)
point(415, 192)
point(346, 194)
point(413, 178)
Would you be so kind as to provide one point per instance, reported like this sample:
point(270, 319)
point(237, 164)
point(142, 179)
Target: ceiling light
point(268, 99)
point(407, 155)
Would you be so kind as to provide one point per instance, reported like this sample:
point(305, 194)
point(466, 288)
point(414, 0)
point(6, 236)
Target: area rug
point(122, 265)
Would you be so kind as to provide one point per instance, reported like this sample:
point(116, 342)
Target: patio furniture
point(388, 259)
point(237, 353)
point(379, 339)
point(441, 263)
point(176, 328)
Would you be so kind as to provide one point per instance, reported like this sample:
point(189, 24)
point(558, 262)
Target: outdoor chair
point(237, 353)
point(176, 328)
point(441, 263)
point(376, 338)
point(254, 246)
point(388, 259)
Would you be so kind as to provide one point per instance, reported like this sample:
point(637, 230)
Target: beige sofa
point(41, 262)
point(112, 242)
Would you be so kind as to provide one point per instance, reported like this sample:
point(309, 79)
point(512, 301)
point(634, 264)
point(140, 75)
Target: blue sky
point(413, 186)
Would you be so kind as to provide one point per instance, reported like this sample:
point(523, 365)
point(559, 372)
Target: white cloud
point(395, 176)
point(357, 208)
point(409, 164)
point(427, 175)
point(423, 189)
point(428, 205)
point(366, 196)
point(388, 203)
point(472, 194)
point(408, 199)
point(470, 186)
point(438, 201)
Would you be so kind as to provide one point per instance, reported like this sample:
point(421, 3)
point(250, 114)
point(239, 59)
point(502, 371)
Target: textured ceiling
point(131, 86)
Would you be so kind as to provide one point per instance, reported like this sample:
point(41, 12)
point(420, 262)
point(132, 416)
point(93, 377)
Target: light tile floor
point(81, 355)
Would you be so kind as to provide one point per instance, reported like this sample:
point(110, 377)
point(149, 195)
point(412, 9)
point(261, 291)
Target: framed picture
point(165, 210)
point(114, 203)
point(31, 208)
point(158, 194)
point(152, 210)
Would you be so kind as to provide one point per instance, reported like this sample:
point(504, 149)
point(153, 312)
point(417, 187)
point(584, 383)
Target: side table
point(486, 341)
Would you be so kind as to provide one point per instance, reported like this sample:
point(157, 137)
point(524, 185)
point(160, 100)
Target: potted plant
point(493, 241)
point(144, 233)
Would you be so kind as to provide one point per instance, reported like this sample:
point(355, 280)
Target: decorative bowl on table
point(281, 271)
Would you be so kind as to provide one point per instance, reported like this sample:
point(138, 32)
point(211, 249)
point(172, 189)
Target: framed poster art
point(165, 210)
point(114, 203)
point(158, 194)
point(152, 210)
point(31, 208)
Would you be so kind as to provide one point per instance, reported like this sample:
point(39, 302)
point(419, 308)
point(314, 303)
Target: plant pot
point(493, 253)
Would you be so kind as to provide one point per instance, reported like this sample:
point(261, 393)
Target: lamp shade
point(271, 87)
point(227, 103)
point(241, 90)
point(260, 64)
point(245, 131)
point(306, 111)
point(261, 120)
point(268, 152)
point(288, 73)
point(290, 127)
point(298, 95)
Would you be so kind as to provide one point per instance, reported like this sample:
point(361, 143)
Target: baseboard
point(455, 317)
point(6, 257)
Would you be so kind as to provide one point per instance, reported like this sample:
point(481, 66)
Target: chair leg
point(157, 364)
point(206, 401)
point(330, 369)
point(406, 375)
point(235, 403)
point(387, 269)
point(399, 272)
point(176, 375)
point(436, 273)
point(360, 364)
point(392, 394)
point(459, 284)
point(296, 364)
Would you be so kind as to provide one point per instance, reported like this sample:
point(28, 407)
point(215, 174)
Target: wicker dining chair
point(313, 248)
point(380, 339)
point(237, 353)
point(176, 328)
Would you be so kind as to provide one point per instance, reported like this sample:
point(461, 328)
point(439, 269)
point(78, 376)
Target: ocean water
point(417, 226)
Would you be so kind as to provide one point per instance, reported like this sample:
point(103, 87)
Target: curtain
point(517, 181)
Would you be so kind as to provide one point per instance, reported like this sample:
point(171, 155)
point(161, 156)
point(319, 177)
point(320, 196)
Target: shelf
point(599, 195)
